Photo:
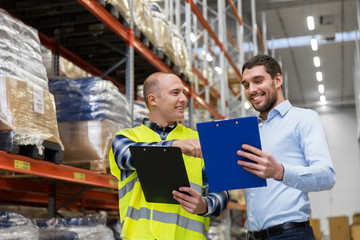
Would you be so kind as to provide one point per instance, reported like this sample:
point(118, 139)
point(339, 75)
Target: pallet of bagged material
point(49, 151)
point(92, 165)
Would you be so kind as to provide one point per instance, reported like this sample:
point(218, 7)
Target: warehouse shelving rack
point(81, 196)
point(15, 189)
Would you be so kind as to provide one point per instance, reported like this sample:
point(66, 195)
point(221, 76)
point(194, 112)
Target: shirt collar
point(281, 109)
point(157, 127)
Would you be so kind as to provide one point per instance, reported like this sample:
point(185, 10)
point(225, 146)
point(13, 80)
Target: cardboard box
point(28, 111)
point(315, 224)
point(355, 232)
point(356, 218)
point(339, 228)
point(87, 143)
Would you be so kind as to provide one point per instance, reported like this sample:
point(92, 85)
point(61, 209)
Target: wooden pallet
point(90, 165)
point(52, 151)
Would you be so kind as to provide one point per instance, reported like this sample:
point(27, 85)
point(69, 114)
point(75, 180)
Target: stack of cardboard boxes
point(355, 227)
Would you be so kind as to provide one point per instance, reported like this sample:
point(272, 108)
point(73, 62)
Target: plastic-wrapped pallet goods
point(140, 112)
point(27, 117)
point(142, 15)
point(87, 143)
point(28, 123)
point(89, 227)
point(89, 112)
point(160, 26)
point(20, 53)
point(14, 226)
point(122, 6)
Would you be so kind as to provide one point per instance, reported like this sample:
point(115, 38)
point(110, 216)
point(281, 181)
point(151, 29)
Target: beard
point(269, 103)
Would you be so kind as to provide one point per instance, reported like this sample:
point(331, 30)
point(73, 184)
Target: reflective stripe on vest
point(171, 218)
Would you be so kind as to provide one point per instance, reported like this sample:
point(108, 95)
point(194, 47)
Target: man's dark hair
point(272, 66)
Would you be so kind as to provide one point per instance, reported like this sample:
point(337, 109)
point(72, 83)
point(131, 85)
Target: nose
point(183, 98)
point(252, 88)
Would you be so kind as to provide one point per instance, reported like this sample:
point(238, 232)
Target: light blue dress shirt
point(296, 139)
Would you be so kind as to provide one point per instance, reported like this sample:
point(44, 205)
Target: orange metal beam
point(261, 39)
point(103, 15)
point(51, 44)
point(21, 164)
point(233, 7)
point(205, 81)
point(231, 39)
point(42, 199)
point(28, 185)
point(206, 25)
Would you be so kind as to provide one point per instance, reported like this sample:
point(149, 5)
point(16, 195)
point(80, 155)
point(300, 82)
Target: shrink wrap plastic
point(20, 53)
point(89, 111)
point(28, 111)
point(14, 226)
point(88, 99)
point(89, 227)
point(163, 35)
point(88, 142)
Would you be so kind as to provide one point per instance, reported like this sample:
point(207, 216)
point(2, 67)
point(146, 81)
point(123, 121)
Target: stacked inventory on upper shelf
point(28, 122)
point(89, 112)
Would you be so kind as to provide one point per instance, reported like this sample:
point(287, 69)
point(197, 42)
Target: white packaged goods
point(20, 52)
point(28, 112)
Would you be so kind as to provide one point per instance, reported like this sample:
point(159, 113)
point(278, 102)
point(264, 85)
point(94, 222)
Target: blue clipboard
point(219, 142)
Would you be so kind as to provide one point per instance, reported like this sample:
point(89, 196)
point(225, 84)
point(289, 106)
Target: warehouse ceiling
point(286, 24)
point(79, 31)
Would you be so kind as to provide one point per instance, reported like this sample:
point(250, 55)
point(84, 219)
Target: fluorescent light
point(209, 57)
point(321, 88)
point(319, 76)
point(310, 23)
point(314, 44)
point(322, 99)
point(218, 70)
point(192, 37)
point(247, 105)
point(317, 61)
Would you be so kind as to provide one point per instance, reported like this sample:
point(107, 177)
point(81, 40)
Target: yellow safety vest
point(143, 220)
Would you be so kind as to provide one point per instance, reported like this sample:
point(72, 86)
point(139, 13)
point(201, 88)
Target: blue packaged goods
point(88, 99)
point(15, 226)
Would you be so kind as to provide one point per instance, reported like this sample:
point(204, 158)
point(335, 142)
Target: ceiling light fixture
point(314, 44)
point(218, 70)
point(209, 57)
point(321, 88)
point(319, 76)
point(322, 99)
point(246, 105)
point(192, 37)
point(316, 61)
point(310, 23)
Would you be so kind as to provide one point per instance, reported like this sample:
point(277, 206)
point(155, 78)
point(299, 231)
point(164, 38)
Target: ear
point(152, 99)
point(278, 80)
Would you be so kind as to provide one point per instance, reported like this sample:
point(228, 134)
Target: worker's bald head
point(152, 85)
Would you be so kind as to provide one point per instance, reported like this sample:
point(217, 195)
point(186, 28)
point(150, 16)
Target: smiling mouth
point(257, 97)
